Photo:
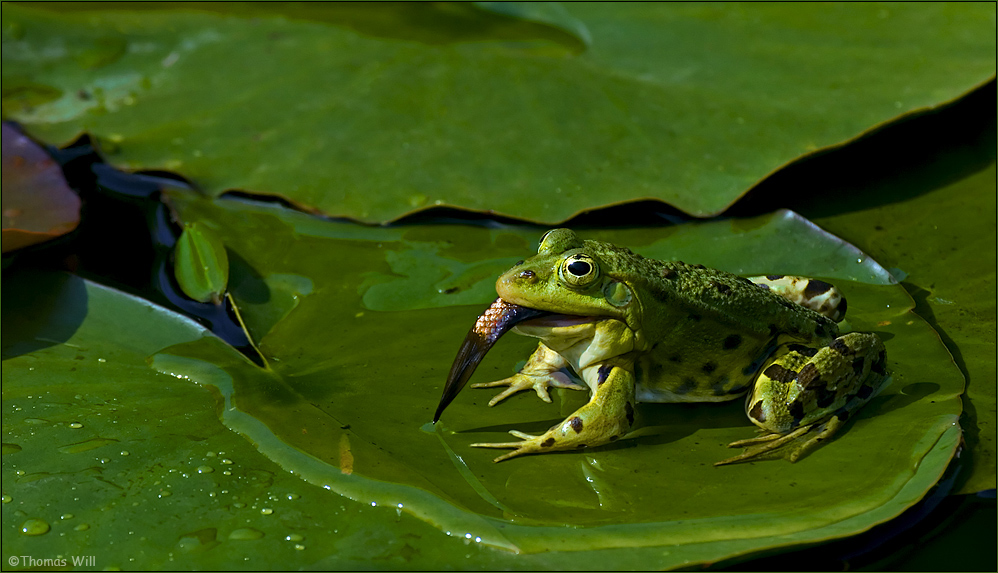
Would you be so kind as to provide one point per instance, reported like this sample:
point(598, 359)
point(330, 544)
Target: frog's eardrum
point(490, 326)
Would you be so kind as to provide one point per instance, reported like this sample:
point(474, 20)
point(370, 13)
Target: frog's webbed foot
point(542, 371)
point(805, 395)
point(791, 447)
point(538, 382)
point(608, 416)
point(529, 445)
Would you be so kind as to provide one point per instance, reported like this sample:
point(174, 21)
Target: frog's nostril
point(529, 276)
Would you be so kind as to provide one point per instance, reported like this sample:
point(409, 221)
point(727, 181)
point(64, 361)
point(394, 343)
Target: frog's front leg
point(607, 416)
point(805, 395)
point(542, 371)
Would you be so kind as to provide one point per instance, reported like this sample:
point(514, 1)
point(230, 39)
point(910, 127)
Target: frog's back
point(709, 331)
point(676, 287)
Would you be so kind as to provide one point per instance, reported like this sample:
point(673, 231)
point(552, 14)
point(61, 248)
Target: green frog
point(634, 329)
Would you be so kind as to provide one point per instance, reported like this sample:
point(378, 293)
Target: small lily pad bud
point(201, 264)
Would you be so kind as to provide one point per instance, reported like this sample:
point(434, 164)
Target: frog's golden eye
point(579, 270)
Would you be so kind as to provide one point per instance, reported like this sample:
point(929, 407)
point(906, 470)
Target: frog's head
point(572, 277)
point(568, 283)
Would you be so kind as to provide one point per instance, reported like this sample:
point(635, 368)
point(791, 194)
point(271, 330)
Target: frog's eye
point(579, 270)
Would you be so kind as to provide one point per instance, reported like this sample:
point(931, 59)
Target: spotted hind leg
point(607, 416)
point(816, 295)
point(803, 397)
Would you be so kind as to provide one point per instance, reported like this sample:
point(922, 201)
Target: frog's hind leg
point(816, 295)
point(542, 371)
point(607, 416)
point(805, 395)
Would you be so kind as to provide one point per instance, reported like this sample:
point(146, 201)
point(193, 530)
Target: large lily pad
point(397, 109)
point(943, 242)
point(347, 403)
point(105, 457)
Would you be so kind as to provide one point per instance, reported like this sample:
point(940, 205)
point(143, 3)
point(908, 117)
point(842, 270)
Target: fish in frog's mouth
point(499, 318)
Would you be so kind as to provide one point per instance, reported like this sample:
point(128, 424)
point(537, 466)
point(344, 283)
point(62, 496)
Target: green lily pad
point(105, 457)
point(397, 109)
point(352, 388)
point(943, 241)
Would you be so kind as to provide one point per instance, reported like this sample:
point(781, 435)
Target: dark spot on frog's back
point(576, 424)
point(669, 274)
point(857, 366)
point(547, 443)
point(660, 294)
point(722, 288)
point(802, 350)
point(720, 387)
point(732, 342)
point(687, 386)
point(709, 367)
point(809, 375)
point(825, 396)
point(780, 374)
point(756, 412)
point(815, 288)
point(603, 373)
point(841, 347)
point(797, 411)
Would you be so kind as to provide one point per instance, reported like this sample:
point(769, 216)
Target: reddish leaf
point(38, 205)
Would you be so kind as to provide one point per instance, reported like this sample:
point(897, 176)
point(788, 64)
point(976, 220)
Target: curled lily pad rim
point(516, 537)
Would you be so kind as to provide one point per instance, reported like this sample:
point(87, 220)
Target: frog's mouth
point(490, 326)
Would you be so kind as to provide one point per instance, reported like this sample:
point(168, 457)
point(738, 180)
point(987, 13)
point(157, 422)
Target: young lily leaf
point(201, 264)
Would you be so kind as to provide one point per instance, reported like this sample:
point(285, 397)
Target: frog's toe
point(763, 447)
point(754, 441)
point(522, 435)
point(537, 383)
point(516, 384)
point(790, 447)
point(528, 445)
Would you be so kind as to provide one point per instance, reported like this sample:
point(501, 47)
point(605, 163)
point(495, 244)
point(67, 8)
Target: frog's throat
point(490, 326)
